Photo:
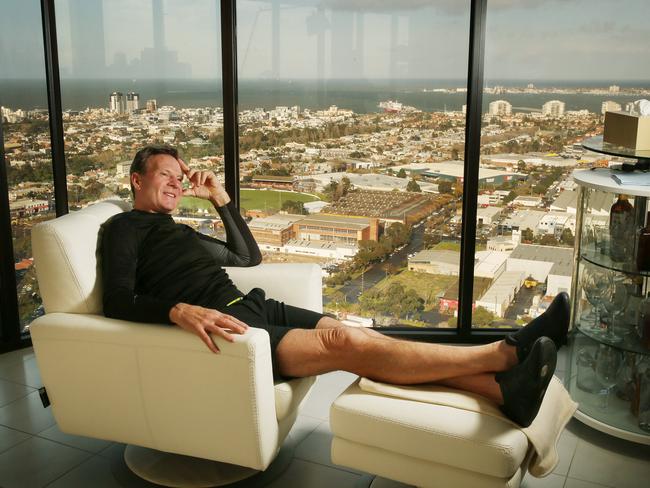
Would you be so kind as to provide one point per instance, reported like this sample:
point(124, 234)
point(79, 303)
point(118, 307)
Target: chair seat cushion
point(289, 394)
point(434, 433)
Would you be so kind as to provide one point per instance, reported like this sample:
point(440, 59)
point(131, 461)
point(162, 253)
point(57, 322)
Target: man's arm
point(240, 248)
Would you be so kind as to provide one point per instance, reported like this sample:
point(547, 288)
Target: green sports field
point(253, 200)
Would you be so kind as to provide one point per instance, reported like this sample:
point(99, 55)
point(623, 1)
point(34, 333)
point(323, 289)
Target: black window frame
point(11, 338)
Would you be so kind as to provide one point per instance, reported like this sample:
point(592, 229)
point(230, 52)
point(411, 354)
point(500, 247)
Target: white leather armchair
point(157, 386)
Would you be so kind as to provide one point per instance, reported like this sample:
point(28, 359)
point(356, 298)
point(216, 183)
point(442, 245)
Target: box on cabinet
point(627, 130)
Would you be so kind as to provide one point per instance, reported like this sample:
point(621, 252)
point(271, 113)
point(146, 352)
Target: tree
point(548, 240)
point(401, 173)
point(482, 317)
point(294, 207)
point(413, 186)
point(567, 237)
point(445, 186)
point(527, 235)
point(454, 154)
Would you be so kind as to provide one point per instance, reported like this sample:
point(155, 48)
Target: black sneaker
point(553, 323)
point(523, 386)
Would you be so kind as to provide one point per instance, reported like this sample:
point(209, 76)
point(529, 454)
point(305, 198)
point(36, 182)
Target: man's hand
point(204, 184)
point(203, 321)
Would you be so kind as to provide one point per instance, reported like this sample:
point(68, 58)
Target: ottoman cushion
point(430, 433)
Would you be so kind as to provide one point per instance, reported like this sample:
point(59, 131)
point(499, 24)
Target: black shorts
point(255, 310)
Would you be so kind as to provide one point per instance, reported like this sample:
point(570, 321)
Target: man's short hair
point(139, 164)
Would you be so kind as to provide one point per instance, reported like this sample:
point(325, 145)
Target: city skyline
point(419, 39)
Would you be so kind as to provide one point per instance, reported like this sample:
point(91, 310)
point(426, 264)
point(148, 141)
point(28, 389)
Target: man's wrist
point(176, 311)
point(220, 200)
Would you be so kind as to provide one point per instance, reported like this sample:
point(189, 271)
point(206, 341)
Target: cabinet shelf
point(597, 188)
point(628, 343)
point(602, 260)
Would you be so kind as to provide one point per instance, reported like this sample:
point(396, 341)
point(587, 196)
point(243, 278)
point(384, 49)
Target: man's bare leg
point(481, 384)
point(305, 352)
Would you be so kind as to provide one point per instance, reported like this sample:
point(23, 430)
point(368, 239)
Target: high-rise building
point(500, 107)
point(614, 89)
point(553, 108)
point(610, 106)
point(152, 105)
point(117, 102)
point(132, 102)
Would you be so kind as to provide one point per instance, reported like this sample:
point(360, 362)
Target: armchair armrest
point(158, 386)
point(297, 284)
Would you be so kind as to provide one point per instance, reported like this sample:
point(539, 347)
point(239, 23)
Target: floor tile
point(303, 426)
point(14, 357)
point(566, 448)
point(303, 474)
point(95, 472)
point(573, 483)
point(562, 356)
point(317, 448)
point(84, 443)
point(328, 388)
point(550, 481)
point(380, 482)
point(27, 414)
point(113, 452)
point(36, 462)
point(609, 461)
point(24, 372)
point(10, 391)
point(9, 438)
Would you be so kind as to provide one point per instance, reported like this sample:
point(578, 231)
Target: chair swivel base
point(177, 470)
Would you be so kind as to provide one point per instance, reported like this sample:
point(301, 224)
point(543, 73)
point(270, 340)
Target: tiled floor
point(34, 453)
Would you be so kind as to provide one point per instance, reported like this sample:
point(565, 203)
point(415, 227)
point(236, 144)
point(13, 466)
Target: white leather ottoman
point(423, 444)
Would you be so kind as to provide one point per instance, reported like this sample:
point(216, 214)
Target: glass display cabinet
point(608, 370)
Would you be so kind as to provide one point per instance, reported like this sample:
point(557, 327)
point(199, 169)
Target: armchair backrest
point(65, 257)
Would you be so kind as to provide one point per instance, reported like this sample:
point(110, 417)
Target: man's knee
point(344, 339)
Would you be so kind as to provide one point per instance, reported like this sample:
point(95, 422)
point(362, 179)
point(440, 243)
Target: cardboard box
point(631, 131)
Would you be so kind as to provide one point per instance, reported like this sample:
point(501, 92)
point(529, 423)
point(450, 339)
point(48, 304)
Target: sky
point(531, 40)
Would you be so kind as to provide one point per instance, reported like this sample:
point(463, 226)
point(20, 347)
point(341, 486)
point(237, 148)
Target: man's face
point(159, 189)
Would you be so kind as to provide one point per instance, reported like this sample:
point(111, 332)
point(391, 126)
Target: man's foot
point(523, 386)
point(553, 323)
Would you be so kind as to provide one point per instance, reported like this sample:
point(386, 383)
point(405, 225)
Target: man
point(155, 270)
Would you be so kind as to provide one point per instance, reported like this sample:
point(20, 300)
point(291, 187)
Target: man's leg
point(304, 352)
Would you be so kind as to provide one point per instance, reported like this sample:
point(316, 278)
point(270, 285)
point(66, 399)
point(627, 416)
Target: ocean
point(361, 96)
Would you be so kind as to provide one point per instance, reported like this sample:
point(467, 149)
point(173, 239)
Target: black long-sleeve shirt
point(150, 263)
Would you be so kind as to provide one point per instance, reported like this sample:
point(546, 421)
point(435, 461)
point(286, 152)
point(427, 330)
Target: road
point(375, 273)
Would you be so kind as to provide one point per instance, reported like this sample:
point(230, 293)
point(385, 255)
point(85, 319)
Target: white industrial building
point(323, 249)
point(368, 181)
point(555, 222)
point(527, 201)
point(487, 264)
point(549, 264)
point(487, 215)
point(502, 292)
point(599, 203)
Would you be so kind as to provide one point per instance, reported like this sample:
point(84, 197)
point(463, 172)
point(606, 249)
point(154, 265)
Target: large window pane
point(136, 73)
point(550, 75)
point(23, 98)
point(351, 139)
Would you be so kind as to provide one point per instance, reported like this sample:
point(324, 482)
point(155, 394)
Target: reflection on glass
point(351, 140)
point(27, 141)
point(133, 74)
point(536, 112)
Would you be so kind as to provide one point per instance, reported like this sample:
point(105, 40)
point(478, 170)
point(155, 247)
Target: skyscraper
point(132, 102)
point(500, 107)
point(116, 102)
point(553, 108)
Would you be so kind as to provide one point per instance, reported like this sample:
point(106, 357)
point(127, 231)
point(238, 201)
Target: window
point(550, 74)
point(137, 73)
point(358, 109)
point(26, 132)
